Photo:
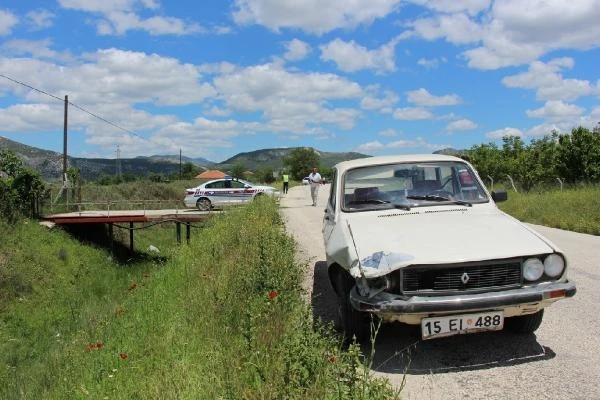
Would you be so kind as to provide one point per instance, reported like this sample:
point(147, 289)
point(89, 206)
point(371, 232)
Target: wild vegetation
point(222, 317)
point(557, 159)
point(573, 209)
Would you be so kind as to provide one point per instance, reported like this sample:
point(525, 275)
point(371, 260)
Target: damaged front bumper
point(411, 309)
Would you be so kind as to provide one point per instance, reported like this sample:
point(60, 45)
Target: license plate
point(458, 324)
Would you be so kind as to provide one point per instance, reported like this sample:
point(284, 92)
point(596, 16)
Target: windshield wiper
point(369, 201)
point(435, 197)
point(428, 197)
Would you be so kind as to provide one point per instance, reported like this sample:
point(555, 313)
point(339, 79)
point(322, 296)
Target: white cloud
point(388, 132)
point(40, 49)
point(107, 6)
point(383, 103)
point(461, 125)
point(500, 133)
point(351, 57)
point(119, 17)
point(471, 7)
point(520, 31)
point(431, 63)
point(412, 113)
point(40, 19)
point(455, 28)
point(555, 110)
point(313, 16)
point(296, 50)
point(422, 97)
point(417, 144)
point(7, 21)
point(289, 101)
point(370, 146)
point(547, 80)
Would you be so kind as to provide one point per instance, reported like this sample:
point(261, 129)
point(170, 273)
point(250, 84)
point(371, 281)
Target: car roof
point(228, 179)
point(381, 160)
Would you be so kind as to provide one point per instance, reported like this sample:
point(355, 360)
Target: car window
point(384, 186)
point(216, 185)
point(237, 185)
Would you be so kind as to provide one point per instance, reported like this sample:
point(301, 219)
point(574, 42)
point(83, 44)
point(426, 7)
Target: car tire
point(203, 204)
point(355, 325)
point(525, 323)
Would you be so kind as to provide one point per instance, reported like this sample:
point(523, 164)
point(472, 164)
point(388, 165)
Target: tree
point(237, 171)
point(22, 190)
point(301, 161)
point(578, 155)
point(265, 175)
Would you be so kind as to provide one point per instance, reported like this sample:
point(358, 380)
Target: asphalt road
point(560, 361)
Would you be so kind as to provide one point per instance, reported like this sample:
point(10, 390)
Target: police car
point(225, 191)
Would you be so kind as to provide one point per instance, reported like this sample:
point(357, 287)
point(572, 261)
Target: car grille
point(435, 279)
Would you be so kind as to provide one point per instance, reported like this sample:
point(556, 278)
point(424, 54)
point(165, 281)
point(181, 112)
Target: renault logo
point(464, 278)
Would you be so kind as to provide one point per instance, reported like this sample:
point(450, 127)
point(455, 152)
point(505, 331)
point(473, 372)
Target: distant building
point(211, 174)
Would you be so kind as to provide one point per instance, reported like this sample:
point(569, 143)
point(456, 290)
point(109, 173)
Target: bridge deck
point(112, 216)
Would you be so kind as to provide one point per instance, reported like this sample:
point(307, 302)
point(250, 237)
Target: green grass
point(221, 318)
point(574, 209)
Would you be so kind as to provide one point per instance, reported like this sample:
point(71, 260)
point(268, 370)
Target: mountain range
point(49, 163)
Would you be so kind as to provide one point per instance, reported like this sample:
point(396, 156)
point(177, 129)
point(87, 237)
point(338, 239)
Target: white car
point(418, 239)
point(305, 180)
point(226, 191)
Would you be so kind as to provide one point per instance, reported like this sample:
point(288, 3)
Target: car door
point(329, 218)
point(217, 193)
point(240, 193)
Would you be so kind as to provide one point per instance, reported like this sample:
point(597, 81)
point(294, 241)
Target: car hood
point(386, 241)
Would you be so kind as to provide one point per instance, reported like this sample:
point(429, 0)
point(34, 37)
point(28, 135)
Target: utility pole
point(65, 142)
point(118, 162)
point(180, 171)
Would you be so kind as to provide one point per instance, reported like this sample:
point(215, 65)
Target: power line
point(73, 104)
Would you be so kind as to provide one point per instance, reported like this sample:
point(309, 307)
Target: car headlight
point(554, 265)
point(533, 269)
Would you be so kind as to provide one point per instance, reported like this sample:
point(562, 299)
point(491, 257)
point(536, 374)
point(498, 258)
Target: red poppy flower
point(123, 356)
point(99, 345)
point(90, 347)
point(133, 286)
point(332, 359)
point(272, 294)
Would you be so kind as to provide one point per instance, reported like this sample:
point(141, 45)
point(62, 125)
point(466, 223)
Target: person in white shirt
point(315, 181)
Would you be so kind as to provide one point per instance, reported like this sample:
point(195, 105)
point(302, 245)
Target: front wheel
point(525, 323)
point(203, 204)
point(354, 324)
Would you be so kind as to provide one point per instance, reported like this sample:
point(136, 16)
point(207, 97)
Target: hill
point(49, 163)
point(273, 158)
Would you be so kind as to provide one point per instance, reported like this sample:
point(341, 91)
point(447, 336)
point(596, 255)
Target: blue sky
point(215, 78)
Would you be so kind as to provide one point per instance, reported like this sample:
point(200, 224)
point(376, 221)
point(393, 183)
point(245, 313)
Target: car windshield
point(407, 185)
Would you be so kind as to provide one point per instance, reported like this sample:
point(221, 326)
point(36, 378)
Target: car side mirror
point(499, 196)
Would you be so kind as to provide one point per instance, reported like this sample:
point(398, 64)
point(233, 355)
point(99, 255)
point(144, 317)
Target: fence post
point(512, 183)
point(561, 183)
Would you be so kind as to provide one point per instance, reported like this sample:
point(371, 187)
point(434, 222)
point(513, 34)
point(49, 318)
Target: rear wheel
point(354, 324)
point(203, 204)
point(525, 323)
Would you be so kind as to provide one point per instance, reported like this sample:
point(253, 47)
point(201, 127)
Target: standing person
point(286, 183)
point(315, 181)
